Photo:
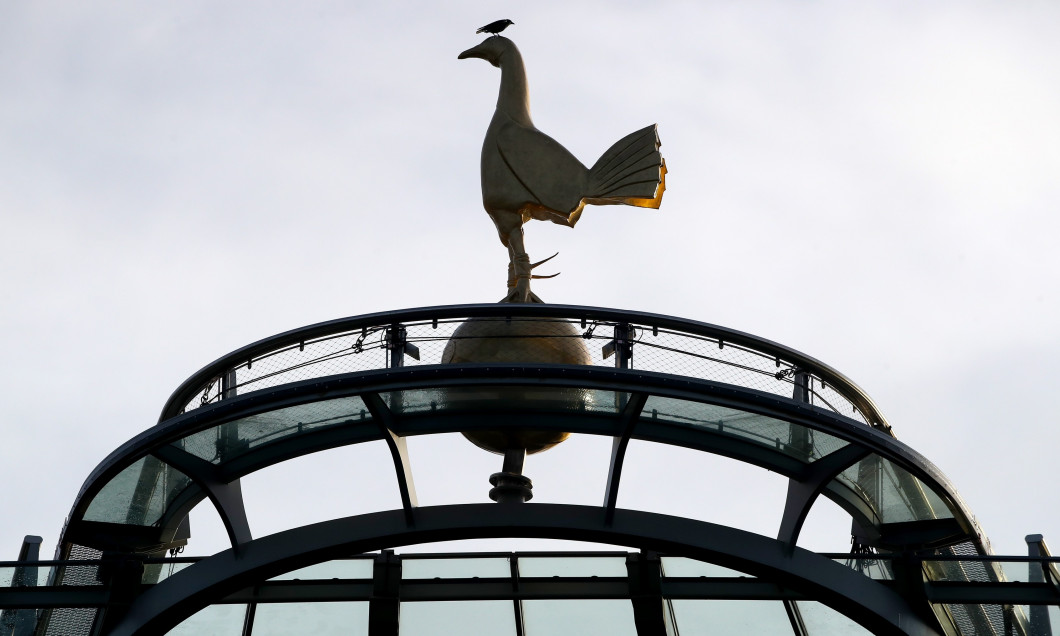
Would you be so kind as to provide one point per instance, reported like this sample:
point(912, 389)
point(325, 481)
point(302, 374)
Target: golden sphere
point(515, 340)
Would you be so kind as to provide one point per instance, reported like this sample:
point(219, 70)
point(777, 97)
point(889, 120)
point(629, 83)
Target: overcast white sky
point(872, 183)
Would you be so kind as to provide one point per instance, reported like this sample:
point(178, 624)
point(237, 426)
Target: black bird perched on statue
point(495, 27)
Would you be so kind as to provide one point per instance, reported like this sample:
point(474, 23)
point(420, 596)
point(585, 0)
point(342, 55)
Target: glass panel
point(579, 617)
point(1019, 571)
point(893, 493)
point(875, 567)
point(791, 439)
point(22, 576)
point(573, 566)
point(232, 439)
point(457, 618)
point(158, 572)
point(730, 618)
point(1029, 571)
point(318, 619)
point(338, 569)
point(529, 398)
point(966, 570)
point(486, 568)
point(214, 620)
point(139, 494)
point(1036, 615)
point(681, 567)
point(821, 620)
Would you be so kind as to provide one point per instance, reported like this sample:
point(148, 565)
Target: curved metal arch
point(552, 375)
point(190, 387)
point(862, 599)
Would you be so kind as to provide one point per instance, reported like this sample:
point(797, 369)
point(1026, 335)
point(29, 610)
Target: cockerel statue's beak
point(475, 51)
point(487, 50)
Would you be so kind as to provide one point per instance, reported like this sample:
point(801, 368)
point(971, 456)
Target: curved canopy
point(896, 495)
point(653, 378)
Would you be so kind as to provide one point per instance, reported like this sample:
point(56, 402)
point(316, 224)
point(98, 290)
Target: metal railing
point(416, 337)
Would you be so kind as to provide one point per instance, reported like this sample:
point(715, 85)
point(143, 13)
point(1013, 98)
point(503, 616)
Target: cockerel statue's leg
point(518, 269)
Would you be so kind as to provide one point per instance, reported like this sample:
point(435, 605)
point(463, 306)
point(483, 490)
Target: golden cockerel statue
point(528, 175)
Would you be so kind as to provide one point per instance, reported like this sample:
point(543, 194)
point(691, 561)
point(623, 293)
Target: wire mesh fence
point(693, 353)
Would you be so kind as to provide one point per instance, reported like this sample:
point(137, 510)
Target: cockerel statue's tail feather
point(631, 172)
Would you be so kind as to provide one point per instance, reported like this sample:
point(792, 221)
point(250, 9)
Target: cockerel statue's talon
point(534, 266)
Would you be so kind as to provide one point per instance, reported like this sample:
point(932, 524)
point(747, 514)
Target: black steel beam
point(386, 422)
point(803, 491)
point(227, 497)
point(53, 596)
point(991, 593)
point(629, 416)
point(865, 601)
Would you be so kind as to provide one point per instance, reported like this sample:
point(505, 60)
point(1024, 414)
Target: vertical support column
point(909, 582)
point(122, 574)
point(385, 605)
point(23, 622)
point(645, 591)
point(1039, 624)
point(517, 602)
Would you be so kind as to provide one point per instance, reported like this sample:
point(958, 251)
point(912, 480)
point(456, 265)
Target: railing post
point(396, 337)
point(624, 334)
point(622, 348)
point(228, 384)
point(1039, 624)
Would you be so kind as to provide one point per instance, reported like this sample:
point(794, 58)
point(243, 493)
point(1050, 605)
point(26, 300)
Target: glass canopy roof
point(652, 378)
point(140, 493)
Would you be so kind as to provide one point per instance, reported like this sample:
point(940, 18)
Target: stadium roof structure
point(919, 563)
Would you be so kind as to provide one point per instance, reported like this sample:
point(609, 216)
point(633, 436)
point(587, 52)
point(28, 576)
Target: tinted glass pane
point(573, 566)
point(338, 569)
point(821, 620)
point(1036, 616)
point(878, 568)
point(22, 576)
point(529, 398)
point(893, 493)
point(139, 494)
point(579, 617)
point(215, 620)
point(791, 439)
point(455, 568)
point(1029, 571)
point(687, 568)
point(230, 440)
point(731, 618)
point(158, 572)
point(457, 618)
point(318, 619)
